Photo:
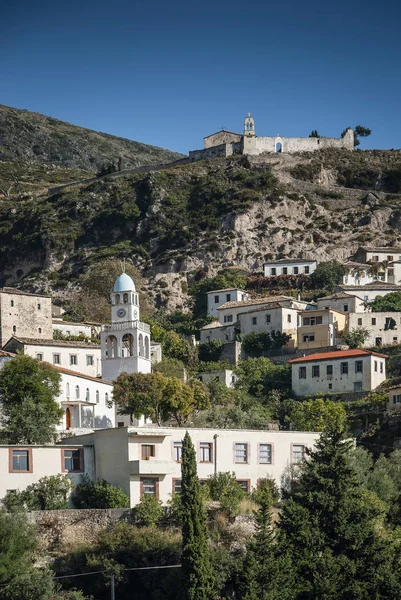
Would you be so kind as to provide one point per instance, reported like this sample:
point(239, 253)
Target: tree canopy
point(388, 303)
point(328, 275)
point(258, 376)
point(317, 414)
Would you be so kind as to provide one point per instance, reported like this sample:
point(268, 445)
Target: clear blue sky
point(168, 73)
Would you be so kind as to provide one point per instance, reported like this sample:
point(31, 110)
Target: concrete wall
point(65, 353)
point(338, 382)
point(280, 319)
point(46, 460)
point(350, 304)
point(328, 333)
point(221, 137)
point(94, 397)
point(225, 333)
point(72, 328)
point(292, 144)
point(215, 299)
point(290, 266)
point(30, 315)
point(376, 322)
point(225, 376)
point(369, 295)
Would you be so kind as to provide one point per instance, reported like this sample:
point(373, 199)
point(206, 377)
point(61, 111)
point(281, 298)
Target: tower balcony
point(126, 325)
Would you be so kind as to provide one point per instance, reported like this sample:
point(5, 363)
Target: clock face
point(121, 312)
point(135, 314)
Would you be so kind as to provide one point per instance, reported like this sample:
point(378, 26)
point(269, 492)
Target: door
point(68, 418)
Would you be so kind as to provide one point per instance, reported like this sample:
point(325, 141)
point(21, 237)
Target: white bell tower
point(126, 342)
point(249, 137)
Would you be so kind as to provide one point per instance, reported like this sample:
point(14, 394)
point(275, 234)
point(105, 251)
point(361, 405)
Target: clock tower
point(126, 342)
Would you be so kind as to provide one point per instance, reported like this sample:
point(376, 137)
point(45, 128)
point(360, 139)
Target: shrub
point(49, 493)
point(148, 512)
point(266, 485)
point(99, 494)
point(210, 351)
point(224, 488)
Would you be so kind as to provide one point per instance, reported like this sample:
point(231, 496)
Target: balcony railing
point(126, 325)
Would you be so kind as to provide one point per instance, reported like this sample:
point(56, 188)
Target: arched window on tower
point(112, 346)
point(147, 347)
point(77, 392)
point(117, 298)
point(87, 395)
point(140, 343)
point(97, 397)
point(128, 345)
point(106, 399)
point(125, 298)
point(279, 147)
point(67, 390)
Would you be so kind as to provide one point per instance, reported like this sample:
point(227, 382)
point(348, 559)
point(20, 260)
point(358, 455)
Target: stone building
point(225, 143)
point(25, 315)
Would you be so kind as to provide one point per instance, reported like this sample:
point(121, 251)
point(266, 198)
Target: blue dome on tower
point(124, 283)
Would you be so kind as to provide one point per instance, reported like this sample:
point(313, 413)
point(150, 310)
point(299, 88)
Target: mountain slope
point(27, 136)
point(204, 216)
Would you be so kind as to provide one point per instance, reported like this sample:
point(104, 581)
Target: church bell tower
point(249, 138)
point(125, 344)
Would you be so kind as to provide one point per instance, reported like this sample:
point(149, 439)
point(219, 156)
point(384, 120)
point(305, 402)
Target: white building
point(67, 328)
point(147, 460)
point(225, 376)
point(370, 291)
point(229, 312)
point(342, 371)
point(384, 327)
point(126, 342)
point(216, 298)
point(21, 466)
point(288, 266)
point(345, 303)
point(378, 254)
point(276, 316)
point(81, 357)
point(87, 401)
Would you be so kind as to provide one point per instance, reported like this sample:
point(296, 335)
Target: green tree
point(223, 488)
point(99, 494)
point(266, 574)
point(317, 414)
point(359, 131)
point(210, 351)
point(356, 337)
point(257, 343)
point(227, 278)
point(314, 134)
point(28, 392)
point(258, 376)
point(148, 512)
point(328, 275)
point(388, 303)
point(197, 577)
point(333, 530)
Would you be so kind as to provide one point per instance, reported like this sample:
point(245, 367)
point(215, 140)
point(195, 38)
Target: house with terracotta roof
point(345, 303)
point(338, 372)
point(369, 291)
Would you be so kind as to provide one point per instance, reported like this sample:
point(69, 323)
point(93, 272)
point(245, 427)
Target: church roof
point(124, 283)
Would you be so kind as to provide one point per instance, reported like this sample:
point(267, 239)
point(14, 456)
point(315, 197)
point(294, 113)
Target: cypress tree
point(197, 575)
point(266, 573)
point(331, 528)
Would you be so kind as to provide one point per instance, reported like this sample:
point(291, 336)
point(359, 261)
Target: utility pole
point(112, 588)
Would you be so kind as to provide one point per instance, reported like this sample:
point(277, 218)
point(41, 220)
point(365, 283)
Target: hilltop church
point(225, 143)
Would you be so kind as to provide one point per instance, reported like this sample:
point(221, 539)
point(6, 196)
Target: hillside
point(201, 217)
point(27, 136)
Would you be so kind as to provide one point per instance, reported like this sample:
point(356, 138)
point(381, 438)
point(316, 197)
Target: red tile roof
point(337, 354)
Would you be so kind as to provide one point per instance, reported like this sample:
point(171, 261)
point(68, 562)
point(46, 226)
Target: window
point(374, 321)
point(254, 320)
point(302, 372)
point(329, 370)
point(39, 330)
point(298, 453)
point(72, 460)
point(288, 318)
point(87, 395)
point(241, 453)
point(177, 451)
point(315, 371)
point(97, 397)
point(366, 298)
point(344, 368)
point(357, 386)
point(296, 270)
point(73, 359)
point(56, 359)
point(375, 365)
point(228, 318)
point(268, 318)
point(397, 399)
point(106, 399)
point(20, 461)
point(148, 451)
point(273, 271)
point(39, 307)
point(359, 321)
point(330, 386)
point(216, 299)
point(177, 486)
point(358, 366)
point(310, 337)
point(89, 360)
point(306, 321)
point(205, 449)
point(265, 454)
point(244, 484)
point(381, 367)
point(395, 339)
point(149, 486)
point(345, 308)
point(14, 329)
point(12, 302)
point(125, 298)
point(285, 271)
point(77, 392)
point(228, 297)
point(307, 270)
point(390, 258)
point(39, 356)
point(67, 390)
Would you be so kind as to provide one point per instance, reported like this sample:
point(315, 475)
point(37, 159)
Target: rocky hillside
point(201, 217)
point(27, 136)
